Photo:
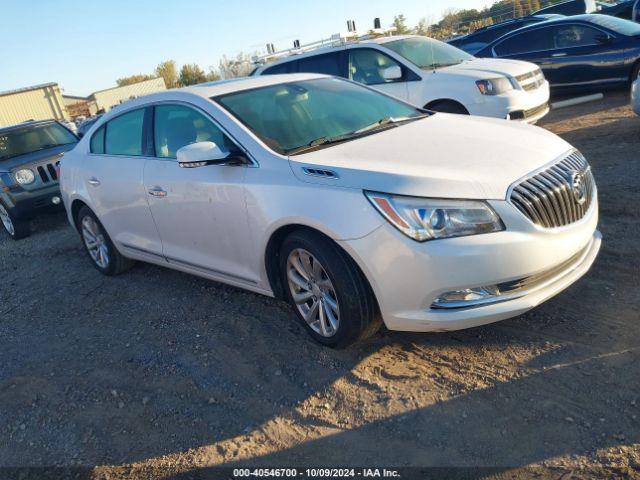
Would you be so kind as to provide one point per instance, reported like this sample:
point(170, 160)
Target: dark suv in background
point(30, 155)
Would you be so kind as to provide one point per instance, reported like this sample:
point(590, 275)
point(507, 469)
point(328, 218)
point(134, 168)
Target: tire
point(448, 106)
point(102, 252)
point(17, 229)
point(635, 73)
point(336, 283)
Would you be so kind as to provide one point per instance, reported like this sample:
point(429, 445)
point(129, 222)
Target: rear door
point(113, 173)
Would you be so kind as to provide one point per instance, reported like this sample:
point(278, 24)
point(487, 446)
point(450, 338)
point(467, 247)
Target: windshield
point(618, 25)
point(32, 138)
point(428, 53)
point(292, 115)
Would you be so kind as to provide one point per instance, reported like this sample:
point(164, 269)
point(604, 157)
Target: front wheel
point(448, 106)
point(329, 294)
point(17, 229)
point(103, 253)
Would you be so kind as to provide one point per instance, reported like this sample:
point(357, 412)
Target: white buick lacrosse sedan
point(355, 207)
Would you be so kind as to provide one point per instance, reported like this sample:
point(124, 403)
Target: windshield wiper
point(383, 123)
point(387, 121)
point(442, 65)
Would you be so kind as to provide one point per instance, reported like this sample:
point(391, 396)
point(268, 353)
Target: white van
point(427, 73)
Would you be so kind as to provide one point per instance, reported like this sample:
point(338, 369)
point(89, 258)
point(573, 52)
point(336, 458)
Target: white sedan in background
point(352, 205)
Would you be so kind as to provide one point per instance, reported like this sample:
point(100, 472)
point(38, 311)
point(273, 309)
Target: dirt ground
point(157, 374)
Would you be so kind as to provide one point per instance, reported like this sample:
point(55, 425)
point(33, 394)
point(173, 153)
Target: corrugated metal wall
point(37, 104)
point(115, 96)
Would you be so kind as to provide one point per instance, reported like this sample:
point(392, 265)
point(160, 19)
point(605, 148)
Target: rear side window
point(97, 141)
point(537, 40)
point(124, 134)
point(276, 69)
point(176, 126)
point(329, 64)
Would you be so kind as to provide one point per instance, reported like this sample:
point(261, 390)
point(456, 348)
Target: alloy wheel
point(6, 220)
point(95, 242)
point(313, 292)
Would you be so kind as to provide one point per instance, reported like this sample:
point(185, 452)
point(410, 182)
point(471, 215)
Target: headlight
point(24, 176)
point(428, 218)
point(494, 86)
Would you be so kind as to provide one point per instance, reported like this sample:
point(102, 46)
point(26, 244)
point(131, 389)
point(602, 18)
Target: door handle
point(93, 181)
point(561, 54)
point(157, 192)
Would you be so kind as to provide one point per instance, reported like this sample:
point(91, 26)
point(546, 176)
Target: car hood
point(37, 157)
point(485, 68)
point(444, 156)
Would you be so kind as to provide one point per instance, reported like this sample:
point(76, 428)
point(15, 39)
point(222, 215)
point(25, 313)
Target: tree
point(240, 66)
point(167, 70)
point(213, 74)
point(191, 74)
point(422, 28)
point(400, 22)
point(133, 79)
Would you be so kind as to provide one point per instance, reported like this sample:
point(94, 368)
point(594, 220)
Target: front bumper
point(520, 105)
point(27, 204)
point(407, 277)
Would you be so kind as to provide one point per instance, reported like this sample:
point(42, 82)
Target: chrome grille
point(531, 80)
point(558, 195)
point(533, 112)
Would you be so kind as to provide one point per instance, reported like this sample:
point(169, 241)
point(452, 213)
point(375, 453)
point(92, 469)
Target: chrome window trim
point(253, 162)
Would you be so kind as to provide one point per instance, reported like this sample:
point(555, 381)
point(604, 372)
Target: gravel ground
point(156, 373)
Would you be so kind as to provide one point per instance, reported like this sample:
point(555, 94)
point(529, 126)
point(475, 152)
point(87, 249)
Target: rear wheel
point(330, 295)
point(448, 106)
point(16, 229)
point(635, 74)
point(101, 250)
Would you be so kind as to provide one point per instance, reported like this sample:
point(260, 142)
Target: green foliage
point(168, 71)
point(213, 75)
point(133, 79)
point(459, 22)
point(400, 22)
point(238, 66)
point(422, 28)
point(191, 74)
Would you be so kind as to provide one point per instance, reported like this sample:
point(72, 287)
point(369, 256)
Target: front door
point(367, 66)
point(200, 212)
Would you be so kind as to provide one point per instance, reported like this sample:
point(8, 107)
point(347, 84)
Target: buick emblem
point(578, 188)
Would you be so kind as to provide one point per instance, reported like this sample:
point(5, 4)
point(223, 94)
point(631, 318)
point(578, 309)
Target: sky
point(86, 45)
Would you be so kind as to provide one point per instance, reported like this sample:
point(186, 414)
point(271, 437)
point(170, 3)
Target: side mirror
point(604, 39)
point(80, 134)
point(200, 154)
point(392, 73)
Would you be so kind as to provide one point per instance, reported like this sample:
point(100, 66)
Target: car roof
point(222, 87)
point(206, 90)
point(331, 48)
point(28, 123)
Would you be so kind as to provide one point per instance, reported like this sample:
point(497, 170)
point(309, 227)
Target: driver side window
point(176, 126)
point(367, 66)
